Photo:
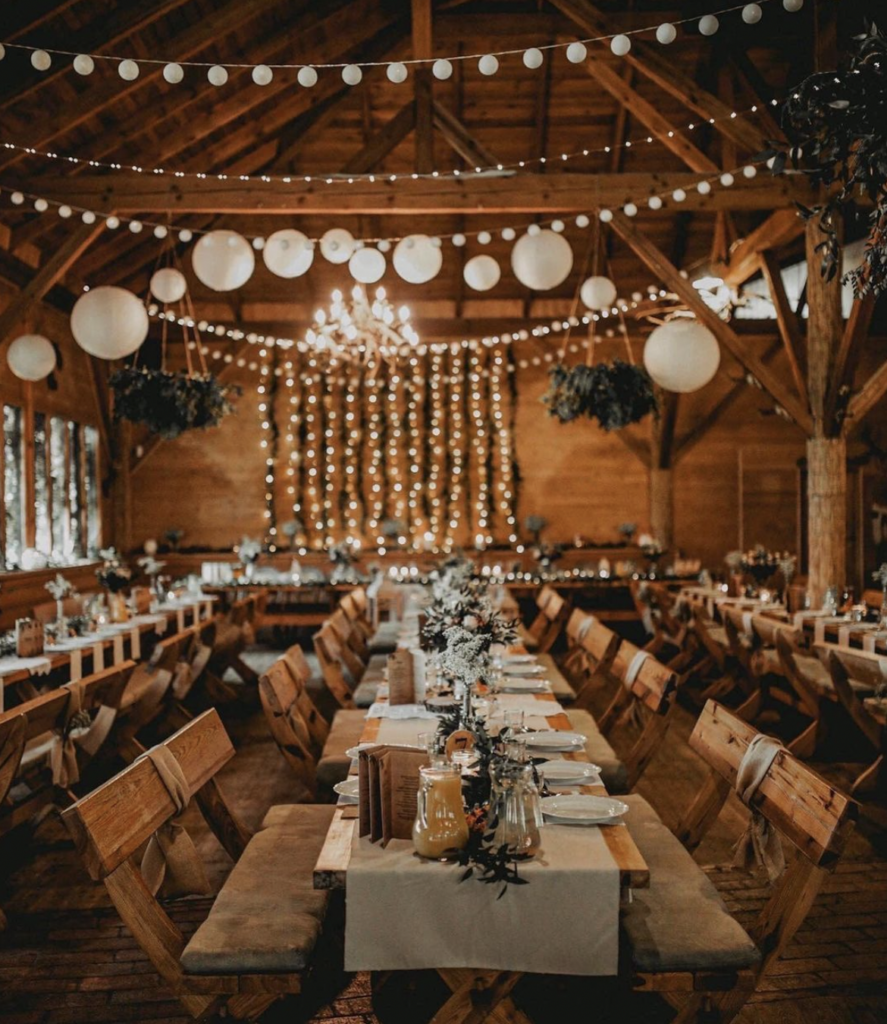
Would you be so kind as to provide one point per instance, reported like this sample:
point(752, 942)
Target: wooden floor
point(66, 959)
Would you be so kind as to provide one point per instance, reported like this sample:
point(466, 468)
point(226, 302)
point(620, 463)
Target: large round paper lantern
point(109, 322)
point(482, 273)
point(288, 253)
point(31, 357)
point(337, 245)
point(417, 259)
point(367, 265)
point(598, 293)
point(168, 284)
point(542, 261)
point(682, 355)
point(223, 260)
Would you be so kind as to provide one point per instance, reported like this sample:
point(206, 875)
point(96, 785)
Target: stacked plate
point(523, 670)
point(348, 791)
point(556, 740)
point(583, 810)
point(513, 685)
point(519, 659)
point(570, 773)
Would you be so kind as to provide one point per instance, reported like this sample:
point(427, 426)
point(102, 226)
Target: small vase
point(117, 607)
point(60, 618)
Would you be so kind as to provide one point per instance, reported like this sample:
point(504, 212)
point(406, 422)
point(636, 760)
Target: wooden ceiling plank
point(482, 193)
point(659, 125)
point(390, 135)
point(21, 19)
point(661, 70)
point(672, 279)
point(780, 228)
point(789, 328)
point(49, 274)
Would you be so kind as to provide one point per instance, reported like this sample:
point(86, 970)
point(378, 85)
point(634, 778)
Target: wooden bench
point(681, 940)
point(259, 937)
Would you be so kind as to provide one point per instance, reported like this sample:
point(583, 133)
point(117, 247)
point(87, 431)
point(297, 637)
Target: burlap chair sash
point(760, 843)
point(171, 865)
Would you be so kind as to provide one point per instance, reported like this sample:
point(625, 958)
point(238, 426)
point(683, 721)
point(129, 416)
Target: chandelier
point(361, 331)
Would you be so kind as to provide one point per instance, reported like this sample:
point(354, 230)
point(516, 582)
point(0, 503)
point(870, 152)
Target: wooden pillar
point(662, 505)
point(826, 448)
point(122, 488)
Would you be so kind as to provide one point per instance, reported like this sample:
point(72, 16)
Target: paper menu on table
point(388, 781)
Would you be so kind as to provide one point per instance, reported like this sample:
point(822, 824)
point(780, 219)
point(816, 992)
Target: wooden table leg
point(872, 780)
point(480, 996)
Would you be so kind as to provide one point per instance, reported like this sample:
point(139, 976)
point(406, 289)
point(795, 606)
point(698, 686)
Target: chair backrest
point(327, 649)
point(863, 666)
point(552, 616)
point(352, 644)
point(601, 643)
point(653, 685)
point(279, 693)
point(549, 601)
point(767, 629)
point(349, 607)
point(360, 599)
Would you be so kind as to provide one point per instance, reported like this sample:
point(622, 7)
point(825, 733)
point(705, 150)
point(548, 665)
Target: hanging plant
point(170, 403)
point(615, 394)
point(836, 124)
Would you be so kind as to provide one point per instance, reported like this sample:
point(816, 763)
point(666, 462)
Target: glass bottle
point(440, 828)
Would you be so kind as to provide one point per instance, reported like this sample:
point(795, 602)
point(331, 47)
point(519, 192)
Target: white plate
point(564, 772)
point(579, 809)
point(555, 740)
point(524, 670)
point(353, 752)
point(348, 789)
point(524, 686)
point(519, 659)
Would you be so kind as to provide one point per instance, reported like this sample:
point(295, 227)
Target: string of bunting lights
point(431, 481)
point(218, 74)
point(338, 178)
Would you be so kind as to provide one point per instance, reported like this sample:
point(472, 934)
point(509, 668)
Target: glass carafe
point(517, 807)
point(440, 829)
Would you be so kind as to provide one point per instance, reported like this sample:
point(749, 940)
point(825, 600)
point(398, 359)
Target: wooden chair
point(234, 633)
point(681, 940)
point(553, 612)
point(353, 651)
point(327, 649)
point(655, 605)
point(356, 613)
point(258, 939)
point(809, 690)
point(592, 647)
point(279, 693)
point(857, 675)
point(644, 698)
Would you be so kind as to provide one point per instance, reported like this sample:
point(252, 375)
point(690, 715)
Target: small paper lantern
point(682, 355)
point(367, 265)
point(84, 64)
point(307, 77)
point(598, 293)
point(288, 253)
point(109, 322)
point(262, 74)
point(351, 74)
point(397, 72)
point(481, 273)
point(752, 14)
point(666, 33)
point(173, 73)
point(533, 58)
point(31, 357)
point(223, 260)
point(542, 261)
point(168, 284)
point(337, 245)
point(417, 259)
point(442, 69)
point(708, 24)
point(217, 75)
point(620, 45)
point(488, 64)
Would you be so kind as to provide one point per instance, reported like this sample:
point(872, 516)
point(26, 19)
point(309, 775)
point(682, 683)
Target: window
point(61, 518)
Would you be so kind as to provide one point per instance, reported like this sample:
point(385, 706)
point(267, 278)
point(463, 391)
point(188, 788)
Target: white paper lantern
point(682, 355)
point(792, 6)
point(262, 74)
point(128, 70)
point(168, 284)
point(417, 259)
point(337, 245)
point(752, 14)
point(173, 73)
point(109, 322)
point(481, 273)
point(41, 60)
point(351, 74)
point(307, 77)
point(84, 64)
point(542, 261)
point(31, 357)
point(288, 253)
point(620, 45)
point(666, 33)
point(397, 72)
point(576, 53)
point(217, 75)
point(598, 293)
point(442, 70)
point(367, 265)
point(223, 260)
point(533, 58)
point(488, 64)
point(708, 24)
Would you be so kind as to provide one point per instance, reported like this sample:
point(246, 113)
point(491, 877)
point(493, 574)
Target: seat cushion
point(374, 675)
point(614, 774)
point(384, 640)
point(679, 923)
point(268, 915)
point(334, 764)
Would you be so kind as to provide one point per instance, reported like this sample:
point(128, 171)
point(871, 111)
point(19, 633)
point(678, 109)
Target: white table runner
point(405, 913)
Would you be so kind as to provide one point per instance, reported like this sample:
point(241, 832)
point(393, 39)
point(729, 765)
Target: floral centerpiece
point(343, 556)
point(547, 554)
point(152, 569)
point(248, 552)
point(534, 526)
point(651, 547)
point(60, 588)
point(627, 532)
point(114, 576)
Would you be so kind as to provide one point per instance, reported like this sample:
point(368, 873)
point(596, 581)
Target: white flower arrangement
point(150, 566)
point(249, 550)
point(60, 588)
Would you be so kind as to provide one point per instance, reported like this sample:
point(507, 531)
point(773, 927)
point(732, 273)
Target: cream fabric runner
point(63, 754)
point(405, 913)
point(415, 711)
point(38, 666)
point(760, 843)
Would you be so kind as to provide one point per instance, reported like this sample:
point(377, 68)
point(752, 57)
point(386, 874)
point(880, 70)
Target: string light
point(397, 71)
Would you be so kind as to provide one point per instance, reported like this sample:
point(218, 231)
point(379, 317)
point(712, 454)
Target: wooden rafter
point(789, 328)
point(847, 356)
point(460, 139)
point(641, 108)
point(672, 279)
point(651, 63)
point(391, 134)
point(780, 228)
point(493, 194)
point(867, 397)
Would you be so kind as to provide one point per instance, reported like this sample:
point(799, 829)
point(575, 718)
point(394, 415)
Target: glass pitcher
point(440, 828)
point(517, 807)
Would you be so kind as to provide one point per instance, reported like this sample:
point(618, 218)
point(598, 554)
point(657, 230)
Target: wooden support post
point(826, 448)
point(662, 505)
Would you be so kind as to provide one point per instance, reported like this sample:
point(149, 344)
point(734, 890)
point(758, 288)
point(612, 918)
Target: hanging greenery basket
point(615, 394)
point(171, 403)
point(836, 123)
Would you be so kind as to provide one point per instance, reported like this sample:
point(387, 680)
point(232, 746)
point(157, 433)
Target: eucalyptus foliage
point(170, 403)
point(615, 394)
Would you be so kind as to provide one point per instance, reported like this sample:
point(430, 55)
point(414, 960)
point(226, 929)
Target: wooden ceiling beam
point(423, 95)
point(629, 98)
point(789, 328)
point(663, 71)
point(867, 397)
point(493, 193)
point(460, 139)
point(390, 135)
point(672, 279)
point(855, 334)
point(780, 228)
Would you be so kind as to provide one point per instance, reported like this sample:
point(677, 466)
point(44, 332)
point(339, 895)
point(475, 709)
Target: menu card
point(29, 638)
point(400, 677)
point(388, 781)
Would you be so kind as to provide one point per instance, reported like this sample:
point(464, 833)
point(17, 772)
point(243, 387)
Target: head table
point(403, 913)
